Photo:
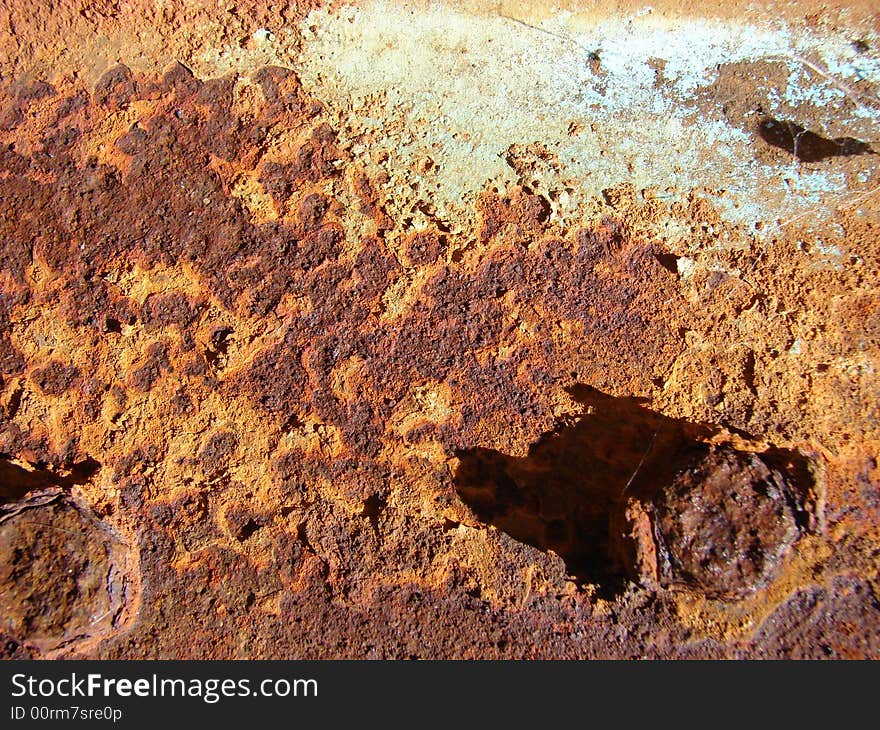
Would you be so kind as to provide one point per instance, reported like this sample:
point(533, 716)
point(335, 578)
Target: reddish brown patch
point(56, 377)
point(371, 203)
point(500, 329)
point(518, 213)
point(423, 248)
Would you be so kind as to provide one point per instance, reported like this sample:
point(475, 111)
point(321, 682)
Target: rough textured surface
point(295, 365)
point(66, 575)
point(725, 524)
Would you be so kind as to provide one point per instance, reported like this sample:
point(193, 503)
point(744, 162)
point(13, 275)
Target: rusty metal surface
point(287, 425)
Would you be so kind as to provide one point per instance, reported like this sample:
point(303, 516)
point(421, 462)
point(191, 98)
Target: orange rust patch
point(278, 400)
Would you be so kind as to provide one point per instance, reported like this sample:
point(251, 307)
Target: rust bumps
point(724, 524)
point(65, 578)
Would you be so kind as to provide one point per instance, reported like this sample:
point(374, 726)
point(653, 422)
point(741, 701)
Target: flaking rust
point(264, 394)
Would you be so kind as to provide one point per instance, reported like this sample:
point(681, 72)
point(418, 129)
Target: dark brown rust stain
point(837, 621)
point(56, 377)
point(424, 248)
point(217, 452)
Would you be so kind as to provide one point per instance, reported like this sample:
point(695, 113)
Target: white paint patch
point(495, 100)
